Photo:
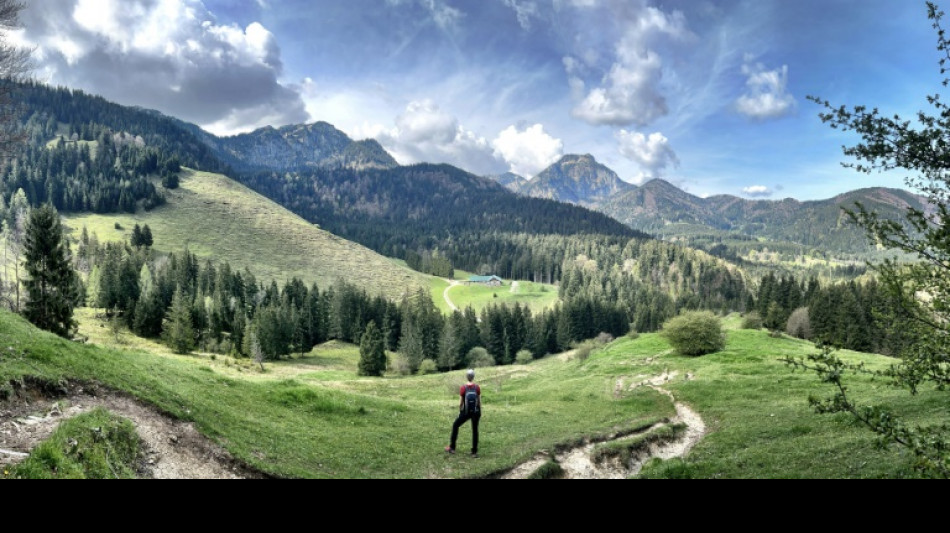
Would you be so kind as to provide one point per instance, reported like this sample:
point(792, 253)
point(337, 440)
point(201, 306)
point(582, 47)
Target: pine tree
point(136, 239)
point(372, 352)
point(51, 283)
point(411, 346)
point(147, 239)
point(179, 330)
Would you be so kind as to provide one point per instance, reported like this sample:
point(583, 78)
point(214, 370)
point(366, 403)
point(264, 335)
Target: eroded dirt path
point(578, 463)
point(173, 449)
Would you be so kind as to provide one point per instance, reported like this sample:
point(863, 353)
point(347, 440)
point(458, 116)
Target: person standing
point(470, 408)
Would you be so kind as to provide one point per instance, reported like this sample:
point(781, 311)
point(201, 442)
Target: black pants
point(463, 418)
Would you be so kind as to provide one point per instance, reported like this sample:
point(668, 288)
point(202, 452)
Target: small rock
point(174, 439)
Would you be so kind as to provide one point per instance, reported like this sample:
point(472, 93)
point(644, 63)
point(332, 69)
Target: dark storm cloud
point(170, 55)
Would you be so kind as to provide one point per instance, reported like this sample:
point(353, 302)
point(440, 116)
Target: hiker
point(470, 408)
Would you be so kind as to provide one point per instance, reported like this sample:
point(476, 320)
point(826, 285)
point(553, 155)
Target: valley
point(324, 423)
point(295, 301)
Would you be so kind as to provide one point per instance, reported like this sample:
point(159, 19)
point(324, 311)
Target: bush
point(402, 366)
point(753, 322)
point(584, 351)
point(695, 334)
point(799, 325)
point(604, 339)
point(480, 358)
point(549, 470)
point(634, 334)
point(428, 368)
point(524, 357)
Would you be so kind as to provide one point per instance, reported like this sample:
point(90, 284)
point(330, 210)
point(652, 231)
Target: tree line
point(854, 316)
point(111, 176)
point(192, 305)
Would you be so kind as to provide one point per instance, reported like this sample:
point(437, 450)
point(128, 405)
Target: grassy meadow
point(535, 296)
point(217, 218)
point(310, 416)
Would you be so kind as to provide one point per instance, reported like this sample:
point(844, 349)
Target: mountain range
point(660, 208)
point(356, 186)
point(316, 145)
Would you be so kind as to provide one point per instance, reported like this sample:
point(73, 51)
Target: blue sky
point(708, 94)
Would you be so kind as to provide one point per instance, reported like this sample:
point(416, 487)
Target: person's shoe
point(450, 451)
point(474, 456)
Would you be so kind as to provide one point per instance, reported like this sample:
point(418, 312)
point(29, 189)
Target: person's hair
point(471, 375)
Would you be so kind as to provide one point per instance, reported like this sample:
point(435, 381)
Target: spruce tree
point(147, 239)
point(372, 352)
point(51, 283)
point(136, 239)
point(179, 330)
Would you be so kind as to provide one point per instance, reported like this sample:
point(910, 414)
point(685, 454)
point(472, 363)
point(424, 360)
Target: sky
point(710, 95)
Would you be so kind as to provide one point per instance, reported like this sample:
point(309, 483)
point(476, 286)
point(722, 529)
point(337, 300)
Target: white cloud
point(525, 10)
point(445, 16)
point(425, 133)
point(652, 153)
point(758, 191)
point(767, 95)
point(629, 92)
point(528, 151)
point(166, 54)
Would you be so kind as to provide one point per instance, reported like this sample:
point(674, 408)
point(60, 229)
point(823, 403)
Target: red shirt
point(465, 388)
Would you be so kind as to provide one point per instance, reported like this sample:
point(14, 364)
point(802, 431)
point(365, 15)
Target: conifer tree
point(179, 330)
point(147, 239)
point(372, 352)
point(51, 282)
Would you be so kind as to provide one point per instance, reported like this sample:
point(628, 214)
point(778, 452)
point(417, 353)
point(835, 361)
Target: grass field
point(536, 296)
point(219, 219)
point(96, 445)
point(311, 417)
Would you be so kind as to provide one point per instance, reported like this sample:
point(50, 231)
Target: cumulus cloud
point(653, 153)
point(426, 133)
point(166, 54)
point(630, 93)
point(528, 151)
point(758, 191)
point(767, 95)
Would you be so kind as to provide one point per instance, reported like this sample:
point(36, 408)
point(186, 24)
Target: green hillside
point(218, 219)
point(309, 417)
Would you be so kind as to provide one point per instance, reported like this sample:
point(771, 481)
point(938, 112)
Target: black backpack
point(472, 403)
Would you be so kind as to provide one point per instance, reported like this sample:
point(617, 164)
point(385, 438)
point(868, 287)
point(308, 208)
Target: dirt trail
point(173, 449)
point(578, 464)
point(452, 284)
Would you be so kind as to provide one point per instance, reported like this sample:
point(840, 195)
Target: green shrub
point(604, 339)
point(549, 470)
point(695, 334)
point(428, 368)
point(634, 334)
point(480, 358)
point(584, 350)
point(524, 357)
point(753, 322)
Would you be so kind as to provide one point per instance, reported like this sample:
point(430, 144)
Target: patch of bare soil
point(577, 462)
point(173, 449)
